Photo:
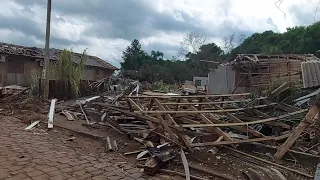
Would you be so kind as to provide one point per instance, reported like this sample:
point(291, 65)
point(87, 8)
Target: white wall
point(204, 81)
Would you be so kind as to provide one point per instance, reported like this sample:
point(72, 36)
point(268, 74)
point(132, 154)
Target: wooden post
point(45, 72)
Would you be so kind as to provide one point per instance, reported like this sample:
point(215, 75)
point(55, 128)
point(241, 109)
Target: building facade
point(18, 64)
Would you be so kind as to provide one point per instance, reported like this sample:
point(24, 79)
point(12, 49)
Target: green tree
point(133, 56)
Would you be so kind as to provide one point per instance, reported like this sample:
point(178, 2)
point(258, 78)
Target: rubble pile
point(171, 127)
point(168, 126)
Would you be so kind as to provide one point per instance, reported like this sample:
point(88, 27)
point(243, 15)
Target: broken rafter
point(206, 111)
point(240, 141)
point(245, 123)
point(234, 118)
point(306, 122)
point(196, 96)
point(209, 103)
point(215, 129)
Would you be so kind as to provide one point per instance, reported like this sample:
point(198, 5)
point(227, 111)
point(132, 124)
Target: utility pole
point(45, 73)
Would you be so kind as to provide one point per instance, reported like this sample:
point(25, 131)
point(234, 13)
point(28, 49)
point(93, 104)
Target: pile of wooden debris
point(170, 125)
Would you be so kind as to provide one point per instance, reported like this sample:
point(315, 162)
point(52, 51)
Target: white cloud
point(214, 17)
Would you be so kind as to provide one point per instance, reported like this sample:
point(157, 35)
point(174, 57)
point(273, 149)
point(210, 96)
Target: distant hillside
point(302, 39)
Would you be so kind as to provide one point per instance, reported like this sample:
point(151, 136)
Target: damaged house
point(19, 63)
point(256, 72)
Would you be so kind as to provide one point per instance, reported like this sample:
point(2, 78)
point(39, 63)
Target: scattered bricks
point(35, 173)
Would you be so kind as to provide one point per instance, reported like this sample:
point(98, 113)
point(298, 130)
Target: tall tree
point(133, 56)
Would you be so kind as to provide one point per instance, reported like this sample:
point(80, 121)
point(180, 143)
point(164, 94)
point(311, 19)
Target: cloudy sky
point(106, 27)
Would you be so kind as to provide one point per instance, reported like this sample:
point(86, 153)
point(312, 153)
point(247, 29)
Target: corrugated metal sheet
point(310, 74)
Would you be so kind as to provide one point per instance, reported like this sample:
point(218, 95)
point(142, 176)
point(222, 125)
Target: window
point(97, 72)
point(197, 83)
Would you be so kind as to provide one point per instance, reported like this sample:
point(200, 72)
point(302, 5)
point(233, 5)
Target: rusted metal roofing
point(35, 52)
point(310, 74)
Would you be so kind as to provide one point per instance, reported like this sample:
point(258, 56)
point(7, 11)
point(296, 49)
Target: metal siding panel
point(221, 80)
point(310, 74)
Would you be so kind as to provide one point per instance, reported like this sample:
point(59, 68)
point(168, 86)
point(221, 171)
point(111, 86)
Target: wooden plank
point(239, 141)
point(207, 111)
point(196, 96)
point(185, 164)
point(245, 123)
point(32, 125)
point(212, 102)
point(236, 87)
point(234, 118)
point(141, 110)
point(51, 113)
point(169, 117)
point(139, 116)
point(215, 129)
point(271, 163)
point(306, 122)
point(162, 108)
point(271, 123)
point(212, 172)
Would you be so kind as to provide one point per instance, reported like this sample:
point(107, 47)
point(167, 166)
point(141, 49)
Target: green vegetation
point(34, 86)
point(152, 67)
point(66, 70)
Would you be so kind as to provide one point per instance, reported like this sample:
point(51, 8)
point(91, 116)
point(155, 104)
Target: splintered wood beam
point(244, 123)
point(247, 129)
point(128, 113)
point(306, 122)
point(196, 96)
point(234, 118)
point(151, 104)
point(177, 104)
point(206, 111)
point(215, 129)
point(212, 102)
point(167, 128)
point(171, 119)
point(240, 141)
point(162, 108)
point(272, 123)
